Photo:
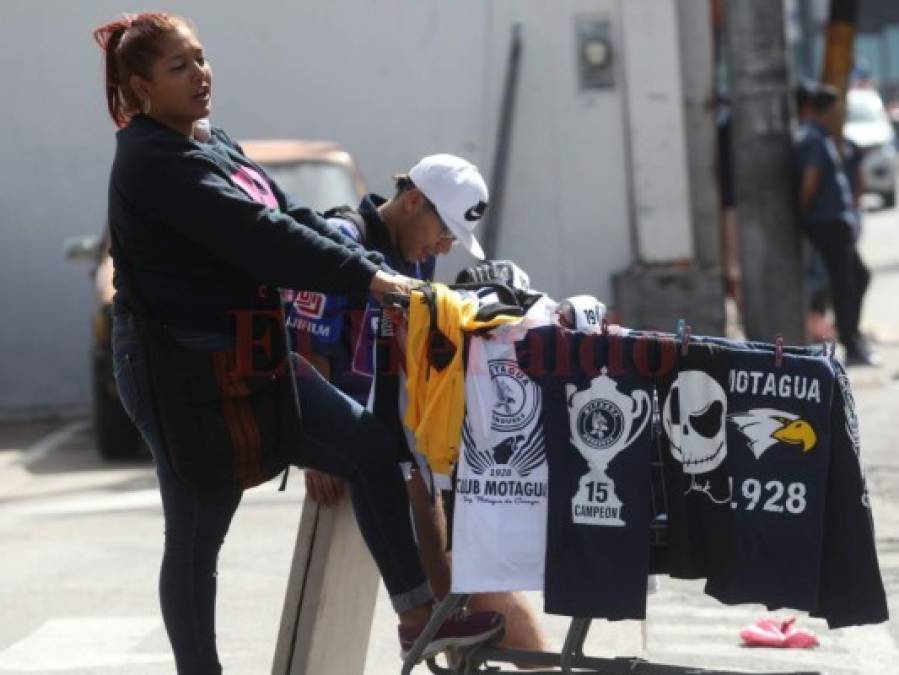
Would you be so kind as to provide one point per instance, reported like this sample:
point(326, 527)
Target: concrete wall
point(655, 127)
point(389, 79)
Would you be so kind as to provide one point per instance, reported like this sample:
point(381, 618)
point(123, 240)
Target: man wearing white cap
point(436, 205)
point(457, 193)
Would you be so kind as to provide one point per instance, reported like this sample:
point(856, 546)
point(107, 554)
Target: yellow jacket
point(437, 397)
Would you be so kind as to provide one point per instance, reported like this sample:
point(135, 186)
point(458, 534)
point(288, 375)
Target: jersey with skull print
point(698, 488)
point(762, 499)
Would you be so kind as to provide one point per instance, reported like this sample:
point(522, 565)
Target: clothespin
point(685, 341)
point(779, 350)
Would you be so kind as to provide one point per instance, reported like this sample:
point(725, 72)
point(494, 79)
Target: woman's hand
point(383, 283)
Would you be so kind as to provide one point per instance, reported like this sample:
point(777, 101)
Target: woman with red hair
point(200, 235)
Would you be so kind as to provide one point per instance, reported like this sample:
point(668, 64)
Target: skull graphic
point(694, 418)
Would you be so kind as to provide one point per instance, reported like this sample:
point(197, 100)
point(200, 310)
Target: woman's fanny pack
point(229, 418)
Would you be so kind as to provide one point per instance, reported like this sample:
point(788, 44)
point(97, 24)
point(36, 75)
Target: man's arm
point(812, 156)
point(808, 188)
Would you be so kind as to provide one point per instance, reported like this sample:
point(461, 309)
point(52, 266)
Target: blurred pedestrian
point(829, 215)
point(819, 326)
point(202, 236)
point(730, 239)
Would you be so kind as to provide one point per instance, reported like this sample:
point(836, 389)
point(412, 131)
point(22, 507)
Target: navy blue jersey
point(597, 394)
point(699, 489)
point(343, 327)
point(778, 454)
point(851, 587)
point(334, 326)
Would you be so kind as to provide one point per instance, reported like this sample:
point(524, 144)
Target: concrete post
point(330, 599)
point(763, 171)
point(668, 67)
point(697, 70)
point(655, 118)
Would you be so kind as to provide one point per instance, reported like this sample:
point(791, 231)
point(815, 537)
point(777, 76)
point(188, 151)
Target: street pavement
point(82, 541)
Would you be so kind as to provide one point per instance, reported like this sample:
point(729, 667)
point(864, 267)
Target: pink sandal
point(771, 632)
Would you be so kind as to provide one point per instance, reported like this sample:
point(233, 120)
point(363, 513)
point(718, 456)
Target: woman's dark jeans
point(339, 436)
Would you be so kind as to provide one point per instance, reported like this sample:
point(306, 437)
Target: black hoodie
point(200, 246)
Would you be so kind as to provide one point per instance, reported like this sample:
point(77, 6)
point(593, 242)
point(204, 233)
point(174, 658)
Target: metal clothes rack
point(570, 660)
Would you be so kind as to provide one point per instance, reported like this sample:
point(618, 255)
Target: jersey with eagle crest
point(850, 588)
point(778, 453)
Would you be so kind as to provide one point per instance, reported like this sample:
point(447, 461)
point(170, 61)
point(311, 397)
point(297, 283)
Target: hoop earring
point(145, 106)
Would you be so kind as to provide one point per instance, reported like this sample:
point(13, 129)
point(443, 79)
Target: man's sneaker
point(460, 629)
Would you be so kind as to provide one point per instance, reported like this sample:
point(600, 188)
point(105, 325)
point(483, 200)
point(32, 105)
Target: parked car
point(869, 127)
point(317, 172)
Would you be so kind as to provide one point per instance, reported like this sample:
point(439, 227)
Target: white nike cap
point(458, 192)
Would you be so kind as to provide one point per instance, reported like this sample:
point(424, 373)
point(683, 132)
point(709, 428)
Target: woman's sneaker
point(460, 629)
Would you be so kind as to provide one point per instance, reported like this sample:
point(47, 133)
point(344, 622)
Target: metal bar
point(573, 649)
point(493, 217)
point(441, 610)
point(577, 663)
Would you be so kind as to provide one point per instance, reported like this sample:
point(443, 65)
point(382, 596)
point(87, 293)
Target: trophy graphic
point(603, 422)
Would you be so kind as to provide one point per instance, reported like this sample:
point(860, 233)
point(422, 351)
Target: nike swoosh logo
point(476, 212)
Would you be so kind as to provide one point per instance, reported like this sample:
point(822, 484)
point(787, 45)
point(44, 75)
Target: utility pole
point(770, 250)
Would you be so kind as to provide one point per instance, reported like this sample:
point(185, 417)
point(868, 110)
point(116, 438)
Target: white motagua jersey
point(499, 520)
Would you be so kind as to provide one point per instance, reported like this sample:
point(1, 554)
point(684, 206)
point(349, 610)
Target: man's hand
point(323, 488)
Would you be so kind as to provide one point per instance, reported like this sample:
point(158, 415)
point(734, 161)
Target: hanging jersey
point(342, 328)
point(499, 519)
point(438, 321)
point(851, 587)
point(778, 443)
point(597, 408)
point(694, 424)
point(499, 516)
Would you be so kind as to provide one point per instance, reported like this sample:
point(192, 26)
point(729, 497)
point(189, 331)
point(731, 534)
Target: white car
point(869, 127)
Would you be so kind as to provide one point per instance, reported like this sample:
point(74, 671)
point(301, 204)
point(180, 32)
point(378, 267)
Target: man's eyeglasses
point(445, 233)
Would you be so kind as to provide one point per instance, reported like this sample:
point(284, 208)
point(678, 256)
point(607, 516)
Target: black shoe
point(859, 355)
